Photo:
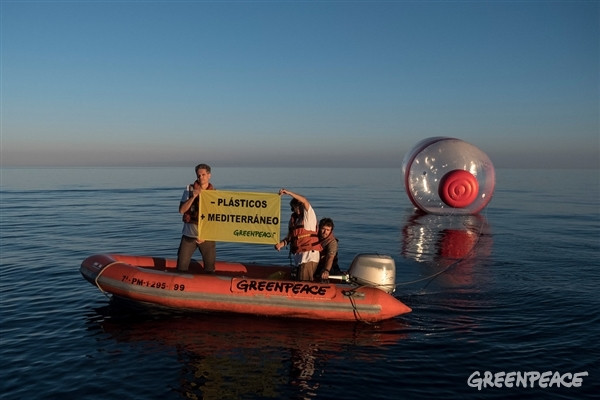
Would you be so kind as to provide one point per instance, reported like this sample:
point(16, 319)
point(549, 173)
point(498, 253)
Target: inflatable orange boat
point(364, 293)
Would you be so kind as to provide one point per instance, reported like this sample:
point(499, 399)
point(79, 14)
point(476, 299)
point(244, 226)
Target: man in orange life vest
point(302, 236)
point(189, 207)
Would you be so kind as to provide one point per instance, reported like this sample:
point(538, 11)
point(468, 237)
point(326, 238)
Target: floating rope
point(429, 278)
point(432, 277)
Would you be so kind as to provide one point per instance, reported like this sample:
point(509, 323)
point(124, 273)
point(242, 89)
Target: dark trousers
point(186, 250)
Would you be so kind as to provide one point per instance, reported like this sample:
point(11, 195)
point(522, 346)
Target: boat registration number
point(151, 283)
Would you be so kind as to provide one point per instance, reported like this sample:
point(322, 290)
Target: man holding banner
point(189, 206)
point(302, 236)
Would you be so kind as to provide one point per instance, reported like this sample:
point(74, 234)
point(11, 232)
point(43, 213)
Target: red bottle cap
point(458, 188)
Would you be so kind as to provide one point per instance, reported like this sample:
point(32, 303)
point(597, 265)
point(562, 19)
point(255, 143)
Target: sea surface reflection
point(238, 356)
point(447, 248)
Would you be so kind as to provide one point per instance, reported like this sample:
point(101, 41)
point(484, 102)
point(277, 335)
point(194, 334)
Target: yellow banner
point(239, 217)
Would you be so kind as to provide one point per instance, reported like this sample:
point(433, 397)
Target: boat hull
point(238, 288)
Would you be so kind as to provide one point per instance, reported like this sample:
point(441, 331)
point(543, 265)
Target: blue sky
point(297, 83)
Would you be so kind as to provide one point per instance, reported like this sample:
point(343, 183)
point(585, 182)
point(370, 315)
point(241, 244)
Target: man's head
point(203, 173)
point(296, 206)
point(325, 227)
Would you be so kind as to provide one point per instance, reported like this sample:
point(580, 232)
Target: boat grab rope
point(104, 292)
point(350, 295)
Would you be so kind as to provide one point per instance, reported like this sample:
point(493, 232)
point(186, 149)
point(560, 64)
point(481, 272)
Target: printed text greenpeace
point(531, 379)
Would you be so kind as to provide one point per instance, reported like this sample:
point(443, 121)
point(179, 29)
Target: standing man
point(189, 207)
point(302, 236)
point(328, 262)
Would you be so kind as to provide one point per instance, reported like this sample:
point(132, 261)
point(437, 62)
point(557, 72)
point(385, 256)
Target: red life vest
point(302, 239)
point(191, 215)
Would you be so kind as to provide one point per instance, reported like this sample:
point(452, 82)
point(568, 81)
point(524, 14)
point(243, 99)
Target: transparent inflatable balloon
point(445, 175)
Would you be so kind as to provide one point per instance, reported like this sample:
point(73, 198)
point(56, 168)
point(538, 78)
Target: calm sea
point(514, 289)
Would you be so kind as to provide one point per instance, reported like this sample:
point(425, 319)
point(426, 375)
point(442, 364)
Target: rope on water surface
point(455, 263)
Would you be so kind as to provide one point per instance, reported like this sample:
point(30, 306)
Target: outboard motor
point(374, 270)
